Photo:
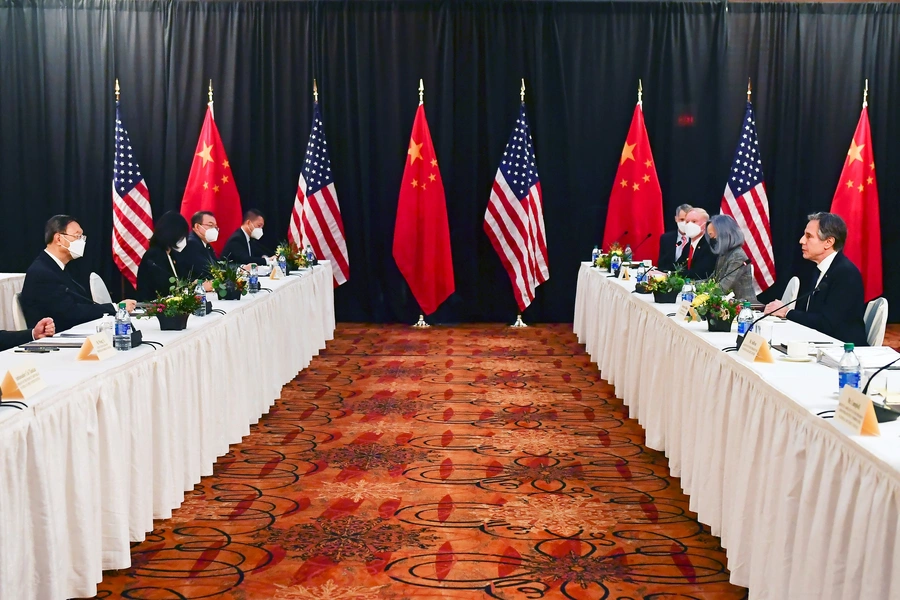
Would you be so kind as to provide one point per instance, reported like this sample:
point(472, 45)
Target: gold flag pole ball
point(519, 322)
point(421, 324)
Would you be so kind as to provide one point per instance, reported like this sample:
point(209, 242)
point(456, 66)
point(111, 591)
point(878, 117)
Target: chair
point(18, 316)
point(98, 290)
point(876, 321)
point(790, 292)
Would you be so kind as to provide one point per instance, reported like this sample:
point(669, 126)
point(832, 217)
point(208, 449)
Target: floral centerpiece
point(172, 310)
point(603, 260)
point(292, 255)
point(719, 309)
point(228, 280)
point(665, 287)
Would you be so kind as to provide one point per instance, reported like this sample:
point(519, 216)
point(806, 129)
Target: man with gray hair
point(672, 244)
point(834, 302)
point(701, 261)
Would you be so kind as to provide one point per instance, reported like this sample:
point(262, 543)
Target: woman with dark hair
point(157, 266)
point(726, 240)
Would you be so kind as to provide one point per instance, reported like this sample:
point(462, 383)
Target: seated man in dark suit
point(11, 339)
point(835, 305)
point(49, 291)
point(197, 255)
point(701, 261)
point(672, 244)
point(243, 246)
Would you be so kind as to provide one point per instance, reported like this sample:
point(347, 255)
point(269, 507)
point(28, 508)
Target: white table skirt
point(109, 446)
point(10, 283)
point(804, 511)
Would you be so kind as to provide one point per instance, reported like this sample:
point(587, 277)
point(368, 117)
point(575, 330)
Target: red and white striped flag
point(132, 218)
point(316, 218)
point(745, 199)
point(514, 219)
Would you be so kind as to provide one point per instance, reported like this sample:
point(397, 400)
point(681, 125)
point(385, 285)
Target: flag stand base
point(519, 322)
point(421, 324)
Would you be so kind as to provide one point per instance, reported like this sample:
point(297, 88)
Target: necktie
point(690, 256)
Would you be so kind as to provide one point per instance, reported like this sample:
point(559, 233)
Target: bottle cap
point(121, 305)
point(848, 347)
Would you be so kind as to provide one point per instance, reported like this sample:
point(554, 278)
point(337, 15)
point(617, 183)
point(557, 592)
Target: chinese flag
point(635, 204)
point(210, 185)
point(856, 200)
point(422, 233)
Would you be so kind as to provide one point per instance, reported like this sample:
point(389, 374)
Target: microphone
point(641, 243)
point(620, 236)
point(880, 369)
point(740, 338)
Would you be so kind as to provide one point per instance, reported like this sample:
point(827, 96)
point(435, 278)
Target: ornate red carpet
point(463, 462)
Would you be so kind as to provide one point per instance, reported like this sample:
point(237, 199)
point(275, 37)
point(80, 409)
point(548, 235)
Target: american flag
point(514, 219)
point(745, 200)
point(132, 218)
point(316, 219)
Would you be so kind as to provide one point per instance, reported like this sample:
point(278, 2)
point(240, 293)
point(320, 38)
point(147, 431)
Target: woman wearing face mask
point(726, 240)
point(157, 265)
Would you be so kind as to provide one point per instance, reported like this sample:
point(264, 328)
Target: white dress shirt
point(823, 268)
point(56, 260)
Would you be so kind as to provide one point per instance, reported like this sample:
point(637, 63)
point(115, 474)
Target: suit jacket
point(49, 291)
point(239, 251)
point(154, 273)
point(734, 278)
point(703, 264)
point(667, 245)
point(837, 306)
point(194, 260)
point(11, 339)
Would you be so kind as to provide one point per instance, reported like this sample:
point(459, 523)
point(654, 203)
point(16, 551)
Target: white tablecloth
point(109, 446)
point(804, 511)
point(10, 283)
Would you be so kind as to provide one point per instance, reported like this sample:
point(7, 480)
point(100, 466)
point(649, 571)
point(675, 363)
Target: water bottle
point(849, 369)
point(282, 263)
point(687, 291)
point(745, 319)
point(628, 253)
point(200, 294)
point(254, 279)
point(122, 333)
point(595, 255)
point(640, 274)
point(310, 256)
point(615, 263)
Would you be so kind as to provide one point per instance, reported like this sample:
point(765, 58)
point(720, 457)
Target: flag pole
point(519, 324)
point(121, 275)
point(749, 89)
point(640, 93)
point(866, 94)
point(421, 323)
point(315, 91)
point(210, 103)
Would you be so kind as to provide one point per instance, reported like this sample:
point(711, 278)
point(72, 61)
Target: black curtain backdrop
point(581, 62)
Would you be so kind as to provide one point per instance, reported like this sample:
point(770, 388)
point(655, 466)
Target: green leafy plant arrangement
point(712, 302)
point(665, 283)
point(179, 301)
point(227, 279)
point(604, 259)
point(292, 255)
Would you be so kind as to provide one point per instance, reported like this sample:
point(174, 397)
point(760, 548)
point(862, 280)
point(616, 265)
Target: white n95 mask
point(256, 233)
point(212, 235)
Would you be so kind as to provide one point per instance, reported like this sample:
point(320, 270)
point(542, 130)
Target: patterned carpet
point(463, 462)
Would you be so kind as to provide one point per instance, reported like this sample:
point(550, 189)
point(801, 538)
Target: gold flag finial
point(522, 91)
point(866, 94)
point(640, 92)
point(421, 92)
point(117, 89)
point(315, 91)
point(210, 91)
point(749, 89)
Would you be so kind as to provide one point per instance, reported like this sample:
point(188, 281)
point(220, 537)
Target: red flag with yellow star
point(210, 185)
point(635, 204)
point(422, 232)
point(856, 200)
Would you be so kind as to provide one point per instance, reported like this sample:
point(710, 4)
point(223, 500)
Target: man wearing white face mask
point(194, 260)
point(243, 246)
point(673, 244)
point(50, 291)
point(701, 262)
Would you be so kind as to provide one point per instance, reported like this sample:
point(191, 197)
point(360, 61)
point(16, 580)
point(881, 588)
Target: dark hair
point(831, 226)
point(169, 229)
point(56, 224)
point(253, 213)
point(197, 219)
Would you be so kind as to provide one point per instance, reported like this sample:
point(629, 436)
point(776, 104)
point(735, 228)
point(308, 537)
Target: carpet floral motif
point(329, 591)
point(371, 456)
point(364, 490)
point(556, 513)
point(532, 441)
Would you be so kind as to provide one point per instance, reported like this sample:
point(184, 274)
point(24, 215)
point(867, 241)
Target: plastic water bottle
point(282, 263)
point(628, 253)
point(254, 279)
point(745, 319)
point(200, 294)
point(615, 263)
point(641, 272)
point(687, 291)
point(310, 256)
point(595, 255)
point(122, 332)
point(849, 369)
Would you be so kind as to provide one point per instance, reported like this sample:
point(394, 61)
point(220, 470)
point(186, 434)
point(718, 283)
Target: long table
point(804, 511)
point(10, 284)
point(109, 446)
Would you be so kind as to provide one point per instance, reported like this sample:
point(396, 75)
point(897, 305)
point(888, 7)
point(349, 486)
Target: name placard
point(22, 381)
point(683, 309)
point(96, 347)
point(276, 273)
point(755, 348)
point(856, 414)
point(624, 273)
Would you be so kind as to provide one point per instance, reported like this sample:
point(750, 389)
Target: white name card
point(683, 309)
point(755, 348)
point(276, 273)
point(855, 413)
point(21, 382)
point(96, 347)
